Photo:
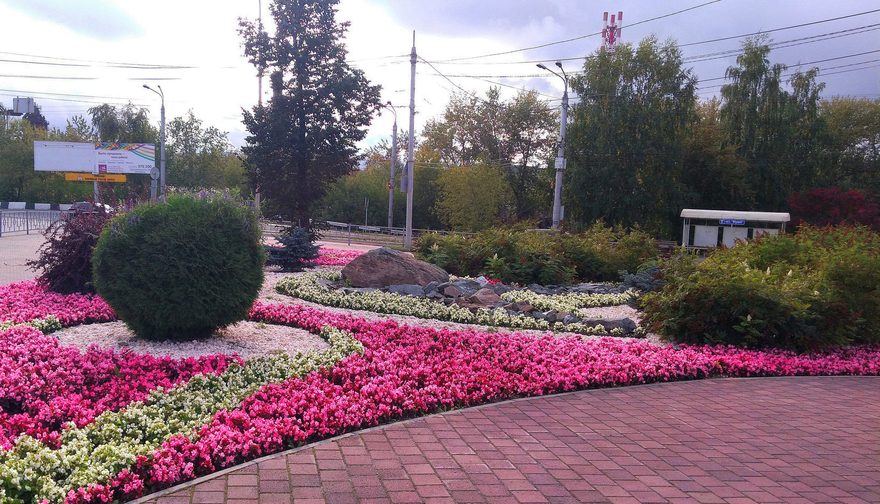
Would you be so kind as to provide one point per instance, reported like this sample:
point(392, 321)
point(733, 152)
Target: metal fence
point(343, 232)
point(26, 221)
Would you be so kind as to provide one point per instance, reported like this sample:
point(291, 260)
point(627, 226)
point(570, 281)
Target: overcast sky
point(65, 53)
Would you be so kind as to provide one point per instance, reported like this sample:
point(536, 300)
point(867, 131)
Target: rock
point(539, 289)
point(597, 288)
point(467, 287)
point(570, 319)
point(435, 295)
point(351, 290)
point(451, 291)
point(407, 290)
point(523, 306)
point(550, 316)
point(383, 266)
point(485, 297)
point(432, 287)
point(483, 281)
point(327, 284)
point(628, 325)
point(499, 288)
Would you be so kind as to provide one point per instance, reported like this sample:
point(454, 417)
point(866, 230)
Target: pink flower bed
point(335, 257)
point(409, 371)
point(25, 301)
point(43, 384)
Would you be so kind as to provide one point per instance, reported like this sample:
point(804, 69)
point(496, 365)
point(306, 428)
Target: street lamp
point(161, 142)
point(393, 110)
point(560, 154)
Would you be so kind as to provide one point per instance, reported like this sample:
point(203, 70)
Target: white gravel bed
point(270, 295)
point(246, 339)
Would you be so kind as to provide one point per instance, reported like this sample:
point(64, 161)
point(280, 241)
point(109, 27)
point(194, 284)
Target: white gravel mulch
point(247, 339)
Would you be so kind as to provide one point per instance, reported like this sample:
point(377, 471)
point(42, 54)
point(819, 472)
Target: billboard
point(99, 158)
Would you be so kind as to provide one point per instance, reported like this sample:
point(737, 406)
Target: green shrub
point(524, 256)
point(816, 289)
point(180, 269)
point(297, 247)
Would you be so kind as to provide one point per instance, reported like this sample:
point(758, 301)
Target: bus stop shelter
point(702, 229)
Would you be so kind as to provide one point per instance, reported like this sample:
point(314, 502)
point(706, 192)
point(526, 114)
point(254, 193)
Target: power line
point(86, 62)
point(548, 44)
point(731, 37)
point(776, 45)
point(809, 62)
point(779, 29)
point(76, 101)
point(822, 72)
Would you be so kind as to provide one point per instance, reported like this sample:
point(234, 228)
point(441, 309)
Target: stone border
point(222, 472)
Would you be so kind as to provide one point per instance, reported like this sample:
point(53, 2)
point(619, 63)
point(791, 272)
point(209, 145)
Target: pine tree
point(305, 137)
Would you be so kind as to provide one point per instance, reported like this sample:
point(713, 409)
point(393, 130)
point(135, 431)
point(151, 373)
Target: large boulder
point(383, 267)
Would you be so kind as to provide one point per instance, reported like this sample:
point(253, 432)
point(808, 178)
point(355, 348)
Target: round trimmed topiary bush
point(181, 269)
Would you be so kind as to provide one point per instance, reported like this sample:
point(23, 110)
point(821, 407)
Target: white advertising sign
point(64, 157)
point(100, 158)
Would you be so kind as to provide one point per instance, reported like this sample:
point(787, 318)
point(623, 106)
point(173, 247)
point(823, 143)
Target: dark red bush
point(832, 206)
point(65, 258)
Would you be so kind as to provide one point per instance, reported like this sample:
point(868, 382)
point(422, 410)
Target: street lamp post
point(161, 142)
point(393, 163)
point(560, 154)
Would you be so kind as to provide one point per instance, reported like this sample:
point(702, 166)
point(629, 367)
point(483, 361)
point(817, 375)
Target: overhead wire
point(572, 39)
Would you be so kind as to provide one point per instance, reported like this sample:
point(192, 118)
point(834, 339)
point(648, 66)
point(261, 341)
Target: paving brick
point(714, 441)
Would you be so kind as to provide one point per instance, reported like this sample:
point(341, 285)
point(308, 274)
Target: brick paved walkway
point(747, 440)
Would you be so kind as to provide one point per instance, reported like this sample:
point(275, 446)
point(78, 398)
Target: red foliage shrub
point(66, 256)
point(832, 206)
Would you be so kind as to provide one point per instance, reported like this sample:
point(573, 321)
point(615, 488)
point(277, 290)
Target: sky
point(73, 54)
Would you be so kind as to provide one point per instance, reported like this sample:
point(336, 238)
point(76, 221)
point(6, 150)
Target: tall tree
point(473, 197)
point(125, 123)
point(517, 135)
point(854, 132)
point(625, 145)
point(777, 132)
point(201, 157)
point(304, 137)
point(715, 176)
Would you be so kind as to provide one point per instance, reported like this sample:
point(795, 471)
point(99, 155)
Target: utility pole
point(410, 147)
point(560, 153)
point(161, 94)
point(393, 163)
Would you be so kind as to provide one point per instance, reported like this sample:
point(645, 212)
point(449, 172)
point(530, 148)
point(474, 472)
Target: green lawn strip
point(305, 286)
point(32, 471)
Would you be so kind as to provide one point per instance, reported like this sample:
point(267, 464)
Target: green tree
point(854, 132)
point(778, 133)
point(19, 181)
point(626, 141)
point(474, 197)
point(304, 138)
point(715, 176)
point(516, 135)
point(201, 157)
point(125, 123)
